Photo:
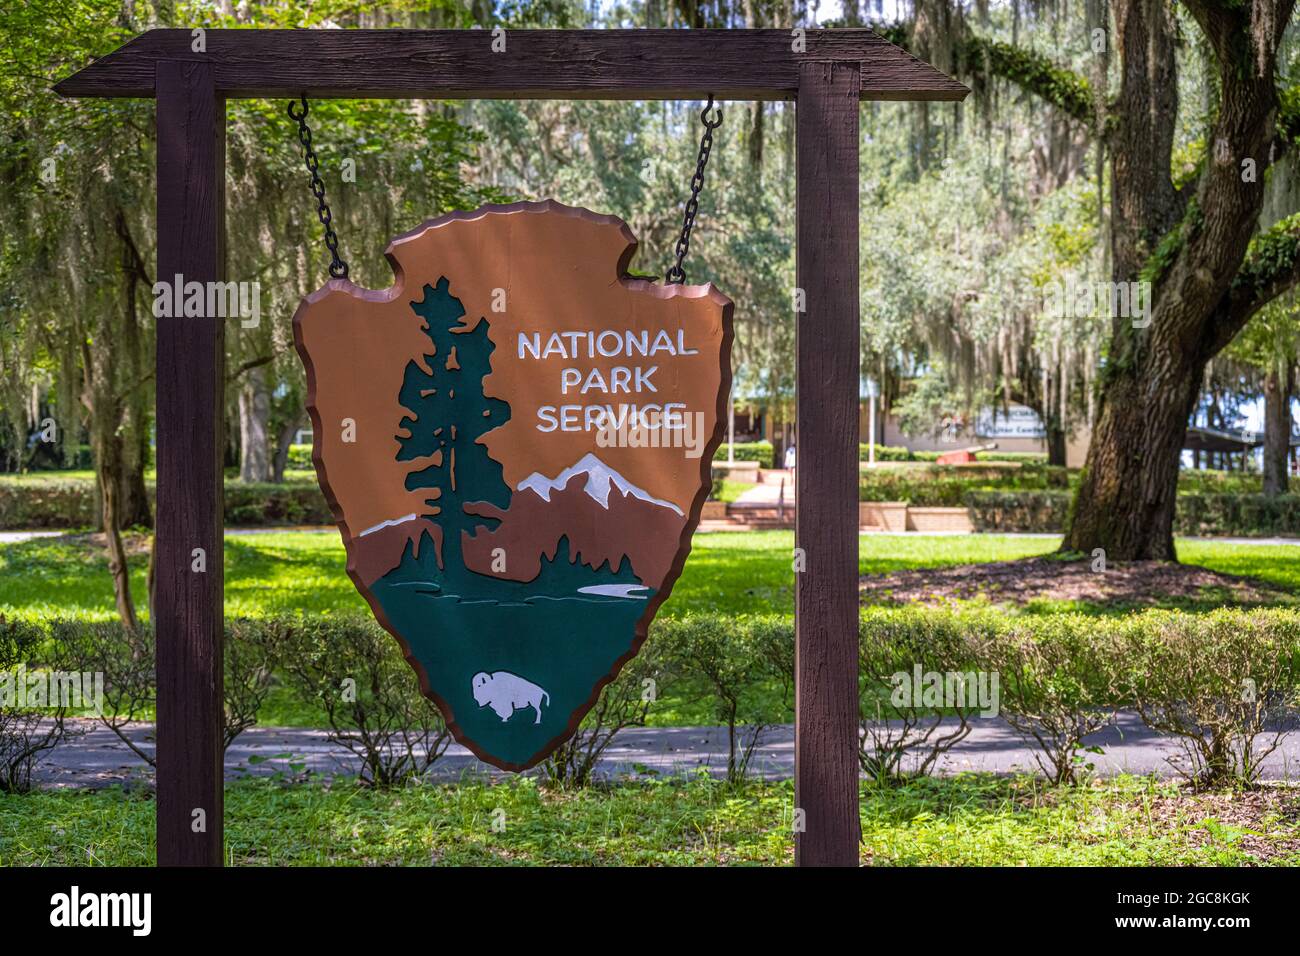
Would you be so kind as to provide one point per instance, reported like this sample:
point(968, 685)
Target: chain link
point(338, 268)
point(676, 274)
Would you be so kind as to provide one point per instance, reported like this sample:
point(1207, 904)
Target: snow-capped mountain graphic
point(600, 479)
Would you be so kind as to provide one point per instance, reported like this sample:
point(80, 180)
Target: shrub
point(252, 655)
point(355, 671)
point(128, 661)
point(741, 660)
point(1018, 511)
point(1027, 457)
point(299, 458)
point(624, 702)
point(759, 451)
point(290, 503)
point(1211, 482)
point(70, 503)
point(883, 452)
point(1058, 685)
point(26, 732)
point(1237, 514)
point(892, 645)
point(1224, 683)
point(47, 503)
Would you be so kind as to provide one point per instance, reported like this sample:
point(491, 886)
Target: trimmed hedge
point(290, 503)
point(1242, 515)
point(1200, 515)
point(1028, 512)
point(1029, 499)
point(759, 451)
point(883, 452)
point(47, 503)
point(948, 487)
point(899, 453)
point(70, 503)
point(1223, 683)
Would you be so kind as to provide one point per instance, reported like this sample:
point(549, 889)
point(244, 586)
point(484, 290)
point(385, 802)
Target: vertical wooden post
point(188, 567)
point(826, 519)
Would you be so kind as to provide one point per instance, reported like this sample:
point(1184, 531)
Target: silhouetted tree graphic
point(448, 414)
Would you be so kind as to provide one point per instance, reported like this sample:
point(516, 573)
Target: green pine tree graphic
point(448, 414)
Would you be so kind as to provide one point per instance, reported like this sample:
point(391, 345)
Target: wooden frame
point(827, 72)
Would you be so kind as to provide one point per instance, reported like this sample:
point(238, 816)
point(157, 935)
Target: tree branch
point(1066, 90)
point(249, 365)
point(1033, 72)
point(1271, 268)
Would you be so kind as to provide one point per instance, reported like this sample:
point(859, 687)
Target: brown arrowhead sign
point(515, 439)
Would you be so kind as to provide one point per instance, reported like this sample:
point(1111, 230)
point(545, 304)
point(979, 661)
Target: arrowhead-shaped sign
point(516, 439)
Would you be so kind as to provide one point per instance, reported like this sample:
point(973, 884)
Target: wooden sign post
point(827, 73)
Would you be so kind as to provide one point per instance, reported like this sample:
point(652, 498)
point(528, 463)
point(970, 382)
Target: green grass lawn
point(966, 820)
point(730, 572)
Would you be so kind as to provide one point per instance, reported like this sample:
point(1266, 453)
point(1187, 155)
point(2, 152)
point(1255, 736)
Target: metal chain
point(676, 274)
point(338, 268)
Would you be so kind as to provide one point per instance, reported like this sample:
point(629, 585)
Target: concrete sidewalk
point(97, 758)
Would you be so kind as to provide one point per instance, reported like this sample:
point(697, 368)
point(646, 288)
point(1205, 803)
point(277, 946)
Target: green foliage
point(1018, 511)
point(1172, 243)
point(1288, 114)
point(884, 452)
point(901, 734)
point(949, 486)
point(969, 820)
point(736, 661)
point(1065, 89)
point(47, 503)
point(37, 501)
point(1225, 683)
point(299, 458)
point(759, 451)
point(1270, 259)
point(27, 732)
point(1247, 515)
point(1199, 514)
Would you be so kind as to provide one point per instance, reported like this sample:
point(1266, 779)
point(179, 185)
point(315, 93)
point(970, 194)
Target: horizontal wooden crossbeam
point(535, 64)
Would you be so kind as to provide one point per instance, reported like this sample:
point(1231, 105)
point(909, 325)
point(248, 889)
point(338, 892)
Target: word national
point(609, 343)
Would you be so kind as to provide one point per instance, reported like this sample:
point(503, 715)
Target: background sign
point(1013, 421)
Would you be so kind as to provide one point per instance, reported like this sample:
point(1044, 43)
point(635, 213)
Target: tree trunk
point(283, 444)
point(1055, 442)
point(254, 419)
point(109, 463)
point(1278, 387)
point(131, 398)
point(1127, 495)
point(1128, 489)
point(133, 494)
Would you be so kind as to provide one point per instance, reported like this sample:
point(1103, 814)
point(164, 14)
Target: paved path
point(98, 758)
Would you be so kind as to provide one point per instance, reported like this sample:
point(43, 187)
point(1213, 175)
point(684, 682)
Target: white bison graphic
point(505, 693)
